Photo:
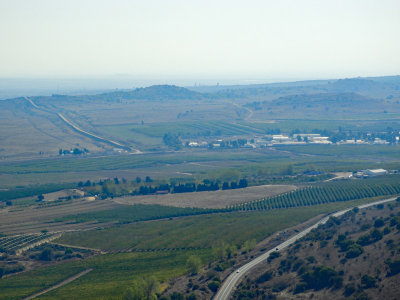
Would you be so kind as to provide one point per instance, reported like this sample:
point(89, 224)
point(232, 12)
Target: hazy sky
point(200, 39)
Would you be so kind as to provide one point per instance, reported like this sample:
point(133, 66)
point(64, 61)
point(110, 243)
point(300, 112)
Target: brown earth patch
point(214, 199)
point(34, 219)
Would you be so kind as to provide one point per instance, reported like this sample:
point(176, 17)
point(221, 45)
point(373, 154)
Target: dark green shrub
point(349, 290)
point(394, 267)
point(354, 251)
point(376, 235)
point(273, 255)
point(364, 239)
point(191, 297)
point(177, 296)
point(344, 244)
point(300, 288)
point(368, 281)
point(311, 259)
point(297, 265)
point(379, 223)
point(46, 255)
point(265, 277)
point(322, 277)
point(214, 286)
point(365, 227)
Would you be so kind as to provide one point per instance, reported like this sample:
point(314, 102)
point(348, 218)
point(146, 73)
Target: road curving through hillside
point(235, 277)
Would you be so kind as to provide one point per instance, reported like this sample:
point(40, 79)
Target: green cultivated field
point(251, 163)
point(184, 129)
point(335, 191)
point(198, 231)
point(145, 240)
point(362, 151)
point(28, 283)
point(152, 133)
point(112, 274)
point(134, 213)
point(128, 161)
point(34, 190)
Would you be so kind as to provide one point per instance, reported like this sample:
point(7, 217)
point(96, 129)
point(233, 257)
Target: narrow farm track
point(62, 283)
point(79, 247)
point(249, 116)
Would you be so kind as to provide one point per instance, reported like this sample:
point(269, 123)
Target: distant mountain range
point(341, 91)
point(160, 92)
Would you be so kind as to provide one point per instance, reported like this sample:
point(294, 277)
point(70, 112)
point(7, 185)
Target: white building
point(307, 135)
point(379, 141)
point(374, 172)
point(280, 137)
point(320, 140)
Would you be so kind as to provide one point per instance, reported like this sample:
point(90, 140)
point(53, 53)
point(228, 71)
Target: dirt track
point(214, 199)
point(64, 282)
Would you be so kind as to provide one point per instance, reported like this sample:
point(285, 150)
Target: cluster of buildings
point(377, 141)
point(282, 139)
point(298, 139)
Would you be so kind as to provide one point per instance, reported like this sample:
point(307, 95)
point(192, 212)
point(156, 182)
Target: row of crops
point(11, 244)
point(326, 193)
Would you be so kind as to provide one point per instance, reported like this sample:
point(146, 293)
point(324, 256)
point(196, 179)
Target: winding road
point(234, 278)
point(96, 137)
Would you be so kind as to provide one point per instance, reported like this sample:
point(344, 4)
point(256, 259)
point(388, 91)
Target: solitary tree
point(45, 255)
point(193, 264)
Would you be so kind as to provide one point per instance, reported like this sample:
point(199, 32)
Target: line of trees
point(190, 187)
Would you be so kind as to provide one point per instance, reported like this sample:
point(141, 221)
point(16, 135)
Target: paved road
point(235, 277)
point(84, 132)
point(31, 102)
